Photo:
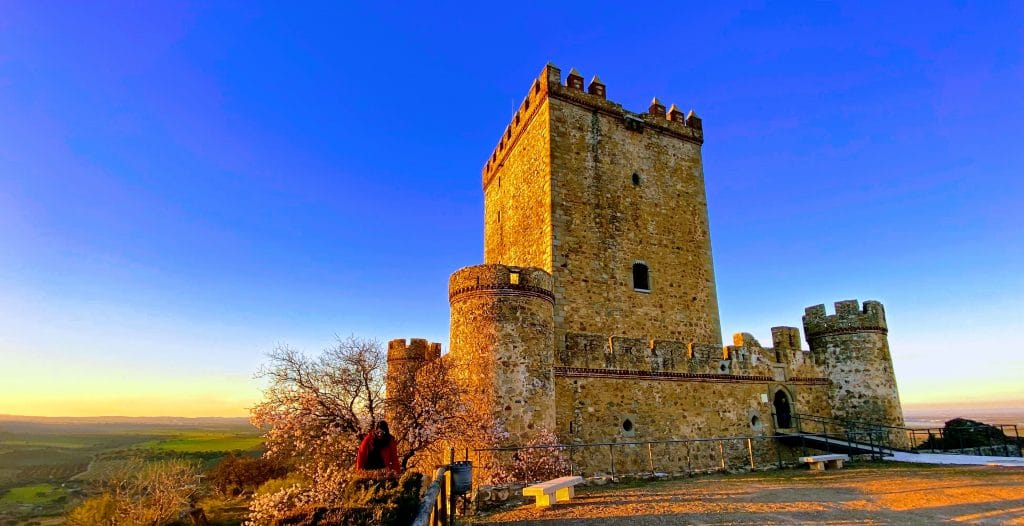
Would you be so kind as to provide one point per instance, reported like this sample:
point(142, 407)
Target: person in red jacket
point(378, 450)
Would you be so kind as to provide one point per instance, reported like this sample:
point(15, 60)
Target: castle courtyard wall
point(594, 409)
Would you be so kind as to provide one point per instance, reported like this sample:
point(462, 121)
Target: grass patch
point(205, 443)
point(34, 494)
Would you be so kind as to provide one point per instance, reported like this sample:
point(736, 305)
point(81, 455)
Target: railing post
point(650, 458)
point(721, 452)
point(778, 452)
point(444, 499)
point(1016, 433)
point(750, 449)
point(451, 489)
point(689, 467)
point(611, 453)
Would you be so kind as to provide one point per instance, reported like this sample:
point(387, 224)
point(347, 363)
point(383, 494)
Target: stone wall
point(635, 409)
point(517, 190)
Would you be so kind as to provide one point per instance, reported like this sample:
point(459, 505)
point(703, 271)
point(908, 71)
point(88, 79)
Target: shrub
point(535, 463)
point(152, 494)
point(353, 499)
point(236, 475)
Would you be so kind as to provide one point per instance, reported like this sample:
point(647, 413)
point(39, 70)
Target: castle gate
point(783, 411)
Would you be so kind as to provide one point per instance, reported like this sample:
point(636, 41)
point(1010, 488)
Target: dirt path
point(874, 494)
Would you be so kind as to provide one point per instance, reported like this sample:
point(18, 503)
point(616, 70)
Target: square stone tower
point(612, 204)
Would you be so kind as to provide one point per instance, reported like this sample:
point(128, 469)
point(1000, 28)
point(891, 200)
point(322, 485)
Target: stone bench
point(820, 462)
point(561, 489)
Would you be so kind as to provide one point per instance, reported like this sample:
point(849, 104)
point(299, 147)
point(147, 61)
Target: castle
point(595, 315)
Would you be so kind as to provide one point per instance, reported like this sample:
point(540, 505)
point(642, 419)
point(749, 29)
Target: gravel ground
point(858, 494)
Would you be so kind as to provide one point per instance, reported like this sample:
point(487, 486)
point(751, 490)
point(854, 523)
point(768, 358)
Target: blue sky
point(185, 186)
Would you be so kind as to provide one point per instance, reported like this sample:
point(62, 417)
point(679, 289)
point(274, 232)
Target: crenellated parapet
point(849, 318)
point(745, 358)
point(599, 351)
point(501, 280)
point(416, 349)
point(593, 96)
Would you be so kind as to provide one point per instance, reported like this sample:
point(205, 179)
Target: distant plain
point(47, 463)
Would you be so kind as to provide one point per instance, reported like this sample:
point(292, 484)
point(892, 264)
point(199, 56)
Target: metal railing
point(855, 434)
point(914, 440)
point(435, 507)
point(996, 438)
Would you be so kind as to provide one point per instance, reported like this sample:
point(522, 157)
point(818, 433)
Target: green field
point(205, 442)
point(34, 494)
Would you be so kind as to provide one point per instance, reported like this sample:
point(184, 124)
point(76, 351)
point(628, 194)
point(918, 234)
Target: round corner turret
point(497, 277)
point(853, 347)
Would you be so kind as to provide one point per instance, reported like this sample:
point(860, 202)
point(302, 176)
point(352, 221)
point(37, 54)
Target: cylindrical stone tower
point(853, 347)
point(404, 360)
point(502, 333)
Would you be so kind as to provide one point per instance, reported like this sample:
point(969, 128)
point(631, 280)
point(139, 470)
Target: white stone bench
point(561, 489)
point(820, 462)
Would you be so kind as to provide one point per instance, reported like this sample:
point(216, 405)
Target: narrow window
point(641, 279)
point(513, 278)
point(636, 179)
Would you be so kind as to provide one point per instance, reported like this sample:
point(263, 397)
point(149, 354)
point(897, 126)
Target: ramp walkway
point(861, 438)
point(960, 460)
point(833, 444)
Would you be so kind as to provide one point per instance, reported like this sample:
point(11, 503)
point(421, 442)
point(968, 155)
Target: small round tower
point(853, 347)
point(404, 361)
point(502, 333)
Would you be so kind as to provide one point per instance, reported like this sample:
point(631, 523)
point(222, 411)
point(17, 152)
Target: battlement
point(849, 318)
point(417, 349)
point(671, 121)
point(599, 351)
point(786, 338)
point(495, 278)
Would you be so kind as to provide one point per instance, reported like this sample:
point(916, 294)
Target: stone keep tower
point(502, 334)
point(595, 224)
point(852, 346)
point(610, 203)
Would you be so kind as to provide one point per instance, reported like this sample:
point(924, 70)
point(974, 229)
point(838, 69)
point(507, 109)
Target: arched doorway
point(783, 411)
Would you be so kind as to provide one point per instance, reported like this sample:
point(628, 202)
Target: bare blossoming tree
point(315, 407)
